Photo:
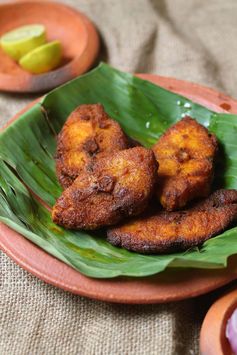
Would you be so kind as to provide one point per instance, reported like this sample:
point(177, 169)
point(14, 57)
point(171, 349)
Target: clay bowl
point(77, 34)
point(213, 340)
point(171, 285)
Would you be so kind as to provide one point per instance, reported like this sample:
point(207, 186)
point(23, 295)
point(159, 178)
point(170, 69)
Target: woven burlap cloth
point(195, 40)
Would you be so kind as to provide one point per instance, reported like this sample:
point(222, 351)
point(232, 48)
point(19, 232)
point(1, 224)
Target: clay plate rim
point(171, 285)
point(212, 338)
point(29, 83)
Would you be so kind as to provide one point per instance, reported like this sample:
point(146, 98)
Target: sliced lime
point(43, 58)
point(22, 40)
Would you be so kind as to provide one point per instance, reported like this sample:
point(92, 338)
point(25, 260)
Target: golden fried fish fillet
point(167, 232)
point(88, 134)
point(185, 153)
point(118, 186)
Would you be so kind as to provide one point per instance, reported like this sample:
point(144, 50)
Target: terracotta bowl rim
point(213, 340)
point(69, 8)
point(89, 29)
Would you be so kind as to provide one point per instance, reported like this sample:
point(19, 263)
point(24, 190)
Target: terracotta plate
point(171, 285)
point(76, 33)
point(213, 340)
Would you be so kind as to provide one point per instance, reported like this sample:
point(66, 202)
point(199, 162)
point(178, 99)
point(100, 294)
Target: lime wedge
point(43, 58)
point(22, 40)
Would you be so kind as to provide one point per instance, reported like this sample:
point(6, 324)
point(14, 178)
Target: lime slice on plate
point(22, 40)
point(43, 58)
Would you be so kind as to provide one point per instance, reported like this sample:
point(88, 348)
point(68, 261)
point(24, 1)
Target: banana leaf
point(145, 111)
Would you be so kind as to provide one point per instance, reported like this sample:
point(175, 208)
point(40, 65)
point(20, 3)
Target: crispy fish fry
point(118, 186)
point(167, 232)
point(185, 153)
point(88, 134)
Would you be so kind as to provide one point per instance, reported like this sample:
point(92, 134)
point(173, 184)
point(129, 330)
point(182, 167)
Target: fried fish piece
point(185, 153)
point(88, 134)
point(119, 185)
point(167, 232)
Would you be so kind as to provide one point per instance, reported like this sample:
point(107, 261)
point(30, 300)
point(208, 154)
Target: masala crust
point(167, 232)
point(186, 154)
point(89, 134)
point(118, 186)
point(218, 198)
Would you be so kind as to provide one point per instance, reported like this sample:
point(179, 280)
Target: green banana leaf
point(145, 111)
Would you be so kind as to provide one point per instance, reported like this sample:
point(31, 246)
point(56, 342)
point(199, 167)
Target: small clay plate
point(171, 285)
point(213, 340)
point(76, 33)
